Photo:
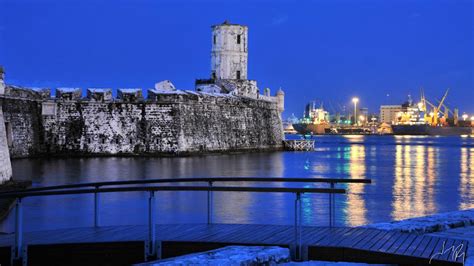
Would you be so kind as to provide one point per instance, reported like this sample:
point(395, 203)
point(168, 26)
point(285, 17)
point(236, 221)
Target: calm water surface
point(412, 176)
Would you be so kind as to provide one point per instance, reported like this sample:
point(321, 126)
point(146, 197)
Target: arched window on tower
point(238, 74)
point(238, 39)
point(215, 39)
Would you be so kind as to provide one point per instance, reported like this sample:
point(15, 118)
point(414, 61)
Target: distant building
point(363, 115)
point(389, 113)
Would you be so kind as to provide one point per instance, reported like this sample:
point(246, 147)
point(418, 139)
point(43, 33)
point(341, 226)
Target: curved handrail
point(97, 189)
point(196, 179)
point(24, 194)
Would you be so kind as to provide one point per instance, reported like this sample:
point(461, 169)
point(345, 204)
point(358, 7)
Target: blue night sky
point(327, 50)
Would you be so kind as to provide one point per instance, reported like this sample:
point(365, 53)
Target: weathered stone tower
point(229, 52)
point(5, 164)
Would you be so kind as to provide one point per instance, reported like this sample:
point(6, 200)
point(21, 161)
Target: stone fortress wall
point(5, 165)
point(226, 113)
point(167, 122)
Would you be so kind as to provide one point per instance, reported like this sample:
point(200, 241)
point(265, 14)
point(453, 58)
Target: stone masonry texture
point(5, 165)
point(175, 123)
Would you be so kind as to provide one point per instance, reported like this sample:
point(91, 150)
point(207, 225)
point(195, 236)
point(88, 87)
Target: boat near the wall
point(314, 122)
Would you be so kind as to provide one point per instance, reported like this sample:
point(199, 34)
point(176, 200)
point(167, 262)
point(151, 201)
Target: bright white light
point(355, 100)
point(361, 118)
point(464, 117)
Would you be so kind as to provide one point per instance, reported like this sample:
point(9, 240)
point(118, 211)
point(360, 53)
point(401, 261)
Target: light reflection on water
point(412, 176)
point(466, 185)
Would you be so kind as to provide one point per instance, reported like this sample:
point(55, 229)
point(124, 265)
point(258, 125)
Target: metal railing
point(210, 181)
point(97, 188)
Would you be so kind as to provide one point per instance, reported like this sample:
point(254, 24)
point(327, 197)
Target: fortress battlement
point(224, 113)
point(205, 89)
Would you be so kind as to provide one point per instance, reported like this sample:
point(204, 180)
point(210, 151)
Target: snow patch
point(429, 224)
point(165, 85)
point(330, 263)
point(231, 255)
point(68, 89)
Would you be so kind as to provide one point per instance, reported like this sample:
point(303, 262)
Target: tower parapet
point(2, 82)
point(280, 95)
point(229, 54)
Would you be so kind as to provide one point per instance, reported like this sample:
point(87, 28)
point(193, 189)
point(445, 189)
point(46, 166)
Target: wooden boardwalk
point(319, 243)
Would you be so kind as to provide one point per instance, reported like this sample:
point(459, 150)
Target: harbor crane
point(433, 117)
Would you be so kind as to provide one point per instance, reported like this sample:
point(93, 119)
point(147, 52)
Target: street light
point(464, 117)
point(355, 100)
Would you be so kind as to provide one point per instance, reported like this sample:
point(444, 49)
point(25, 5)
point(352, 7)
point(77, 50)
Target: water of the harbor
point(412, 176)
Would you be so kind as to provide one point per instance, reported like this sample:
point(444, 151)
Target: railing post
point(96, 208)
point(332, 207)
point(209, 204)
point(151, 225)
point(18, 230)
point(298, 229)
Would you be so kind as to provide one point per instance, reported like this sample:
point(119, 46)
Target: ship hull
point(305, 129)
point(430, 130)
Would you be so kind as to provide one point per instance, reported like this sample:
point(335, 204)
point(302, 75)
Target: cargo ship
point(431, 130)
point(314, 122)
point(416, 119)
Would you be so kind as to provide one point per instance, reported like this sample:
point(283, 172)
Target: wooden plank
point(383, 240)
point(418, 252)
point(247, 235)
point(398, 243)
point(362, 238)
point(368, 239)
point(225, 233)
point(343, 235)
point(282, 237)
point(401, 248)
point(334, 235)
point(409, 249)
point(463, 254)
point(447, 248)
point(374, 240)
point(457, 248)
point(389, 243)
point(314, 234)
point(430, 247)
point(348, 240)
